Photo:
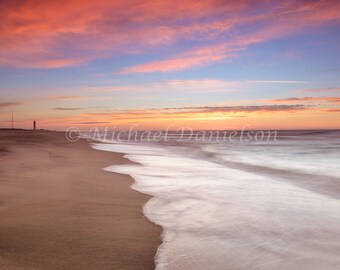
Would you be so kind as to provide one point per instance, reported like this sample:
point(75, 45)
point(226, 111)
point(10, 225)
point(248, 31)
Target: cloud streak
point(308, 99)
point(196, 112)
point(319, 90)
point(66, 109)
point(197, 58)
point(279, 82)
point(4, 105)
point(193, 86)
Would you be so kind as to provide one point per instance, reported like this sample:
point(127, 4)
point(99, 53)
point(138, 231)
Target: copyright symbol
point(72, 134)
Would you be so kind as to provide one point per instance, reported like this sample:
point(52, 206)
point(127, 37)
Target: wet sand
point(59, 210)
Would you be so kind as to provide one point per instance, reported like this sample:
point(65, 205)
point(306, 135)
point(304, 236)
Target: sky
point(212, 64)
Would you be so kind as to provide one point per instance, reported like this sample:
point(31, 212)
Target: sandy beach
point(60, 210)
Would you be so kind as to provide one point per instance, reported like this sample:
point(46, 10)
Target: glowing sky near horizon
point(209, 64)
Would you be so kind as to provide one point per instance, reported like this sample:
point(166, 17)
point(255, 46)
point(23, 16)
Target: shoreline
point(210, 219)
point(60, 210)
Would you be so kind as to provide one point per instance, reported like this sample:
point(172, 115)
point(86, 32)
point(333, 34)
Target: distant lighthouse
point(34, 125)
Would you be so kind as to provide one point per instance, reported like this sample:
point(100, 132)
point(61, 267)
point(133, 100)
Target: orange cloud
point(333, 110)
point(207, 117)
point(210, 117)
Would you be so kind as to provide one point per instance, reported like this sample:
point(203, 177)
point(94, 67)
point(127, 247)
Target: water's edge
point(235, 206)
point(145, 208)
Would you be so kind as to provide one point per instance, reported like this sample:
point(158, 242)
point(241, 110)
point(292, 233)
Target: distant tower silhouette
point(34, 125)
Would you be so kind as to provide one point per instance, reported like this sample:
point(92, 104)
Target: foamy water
point(240, 206)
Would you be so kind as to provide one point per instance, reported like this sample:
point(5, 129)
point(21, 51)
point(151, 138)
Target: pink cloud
point(291, 19)
point(48, 34)
point(198, 58)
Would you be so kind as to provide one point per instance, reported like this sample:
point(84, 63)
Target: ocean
point(241, 203)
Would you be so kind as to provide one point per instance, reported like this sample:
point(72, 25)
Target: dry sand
point(59, 210)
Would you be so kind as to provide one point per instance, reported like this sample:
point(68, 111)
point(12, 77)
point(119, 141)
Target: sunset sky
point(209, 64)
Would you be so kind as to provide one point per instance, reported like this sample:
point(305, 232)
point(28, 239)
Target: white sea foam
point(217, 217)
